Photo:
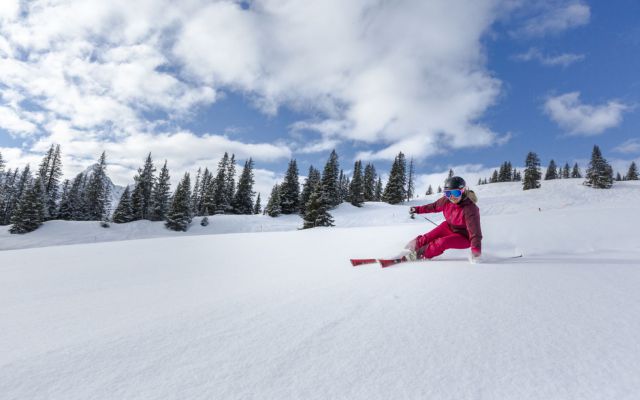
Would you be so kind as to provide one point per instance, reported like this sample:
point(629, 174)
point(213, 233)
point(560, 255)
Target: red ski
point(360, 261)
point(391, 261)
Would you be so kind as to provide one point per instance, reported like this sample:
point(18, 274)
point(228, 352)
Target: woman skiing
point(461, 228)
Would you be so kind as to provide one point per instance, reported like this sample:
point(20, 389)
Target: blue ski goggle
point(453, 193)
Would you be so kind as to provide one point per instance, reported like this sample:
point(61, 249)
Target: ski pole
point(413, 216)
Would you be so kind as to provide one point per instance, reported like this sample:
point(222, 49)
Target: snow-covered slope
point(283, 315)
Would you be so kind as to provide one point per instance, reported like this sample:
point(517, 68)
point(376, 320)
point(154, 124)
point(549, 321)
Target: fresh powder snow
point(250, 307)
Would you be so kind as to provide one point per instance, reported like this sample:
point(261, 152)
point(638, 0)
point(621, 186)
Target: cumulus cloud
point(564, 60)
point(631, 146)
point(555, 17)
point(582, 119)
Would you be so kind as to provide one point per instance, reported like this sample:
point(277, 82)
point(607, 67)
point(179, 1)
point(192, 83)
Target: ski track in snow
point(283, 315)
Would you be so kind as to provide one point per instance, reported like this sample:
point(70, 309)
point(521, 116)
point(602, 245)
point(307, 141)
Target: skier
point(461, 228)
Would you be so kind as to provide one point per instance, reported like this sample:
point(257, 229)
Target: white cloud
point(14, 123)
point(563, 60)
point(631, 146)
point(556, 17)
point(582, 119)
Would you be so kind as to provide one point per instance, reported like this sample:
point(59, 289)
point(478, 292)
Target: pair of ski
point(387, 262)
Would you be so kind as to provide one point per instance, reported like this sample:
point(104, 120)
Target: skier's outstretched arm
point(434, 207)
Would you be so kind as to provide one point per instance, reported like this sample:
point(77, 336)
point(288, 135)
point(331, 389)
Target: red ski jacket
point(462, 218)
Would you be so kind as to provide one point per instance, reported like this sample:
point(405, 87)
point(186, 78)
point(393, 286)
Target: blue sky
point(464, 84)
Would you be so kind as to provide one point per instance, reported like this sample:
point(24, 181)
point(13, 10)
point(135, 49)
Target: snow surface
point(251, 308)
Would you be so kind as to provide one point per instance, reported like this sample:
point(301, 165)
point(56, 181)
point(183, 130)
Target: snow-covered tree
point(356, 188)
point(410, 181)
point(195, 194)
point(257, 208)
point(599, 173)
point(290, 190)
point(161, 195)
point(97, 192)
point(317, 210)
point(230, 184)
point(29, 214)
point(395, 191)
point(429, 191)
point(329, 182)
point(566, 171)
point(532, 172)
point(124, 211)
point(273, 205)
point(143, 187)
point(378, 191)
point(369, 182)
point(179, 215)
point(313, 179)
point(243, 200)
point(632, 173)
point(552, 171)
point(575, 172)
point(7, 194)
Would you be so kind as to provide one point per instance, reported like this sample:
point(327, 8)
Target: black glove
point(412, 210)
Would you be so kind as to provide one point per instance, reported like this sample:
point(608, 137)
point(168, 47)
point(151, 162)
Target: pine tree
point(369, 182)
point(19, 189)
point(29, 214)
point(66, 187)
point(566, 171)
point(273, 205)
point(179, 215)
point(495, 177)
point(618, 177)
point(290, 190)
point(378, 191)
point(575, 172)
point(207, 193)
point(50, 172)
point(395, 191)
point(195, 195)
point(531, 172)
point(313, 179)
point(74, 208)
point(552, 171)
point(218, 188)
point(356, 188)
point(429, 191)
point(343, 187)
point(451, 173)
point(97, 191)
point(257, 208)
point(230, 184)
point(632, 173)
point(141, 196)
point(329, 182)
point(243, 200)
point(124, 210)
point(411, 189)
point(317, 210)
point(439, 189)
point(599, 173)
point(7, 193)
point(161, 195)
point(2, 165)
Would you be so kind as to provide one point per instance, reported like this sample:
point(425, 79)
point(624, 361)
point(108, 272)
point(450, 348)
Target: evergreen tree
point(356, 188)
point(451, 173)
point(273, 205)
point(329, 182)
point(618, 177)
point(632, 173)
point(313, 179)
point(243, 200)
point(395, 191)
point(575, 172)
point(30, 211)
point(50, 173)
point(2, 165)
point(532, 172)
point(230, 184)
point(378, 191)
point(410, 181)
point(257, 208)
point(179, 215)
point(64, 198)
point(161, 195)
point(290, 190)
point(495, 177)
point(218, 188)
point(317, 210)
point(369, 183)
point(141, 196)
point(343, 187)
point(207, 192)
point(74, 208)
point(19, 189)
point(7, 194)
point(599, 173)
point(195, 195)
point(124, 210)
point(97, 192)
point(505, 174)
point(552, 171)
point(439, 189)
point(429, 191)
point(566, 171)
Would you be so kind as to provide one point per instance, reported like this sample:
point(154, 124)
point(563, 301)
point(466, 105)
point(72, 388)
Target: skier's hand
point(412, 210)
point(476, 256)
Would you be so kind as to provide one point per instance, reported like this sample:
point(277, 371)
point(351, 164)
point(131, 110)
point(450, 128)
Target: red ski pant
point(440, 239)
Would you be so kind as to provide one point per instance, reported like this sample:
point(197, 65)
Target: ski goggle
point(453, 193)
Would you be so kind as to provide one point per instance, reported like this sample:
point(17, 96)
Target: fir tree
point(19, 189)
point(218, 190)
point(2, 164)
point(317, 210)
point(505, 172)
point(495, 177)
point(429, 191)
point(343, 187)
point(141, 196)
point(179, 215)
point(243, 200)
point(313, 179)
point(378, 191)
point(290, 190)
point(51, 183)
point(575, 172)
point(566, 171)
point(161, 195)
point(410, 181)
point(66, 187)
point(257, 208)
point(195, 195)
point(532, 172)
point(124, 210)
point(369, 183)
point(618, 177)
point(451, 173)
point(97, 192)
point(7, 193)
point(599, 173)
point(207, 193)
point(230, 184)
point(552, 171)
point(273, 205)
point(29, 214)
point(356, 188)
point(329, 182)
point(74, 208)
point(439, 189)
point(632, 173)
point(395, 191)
